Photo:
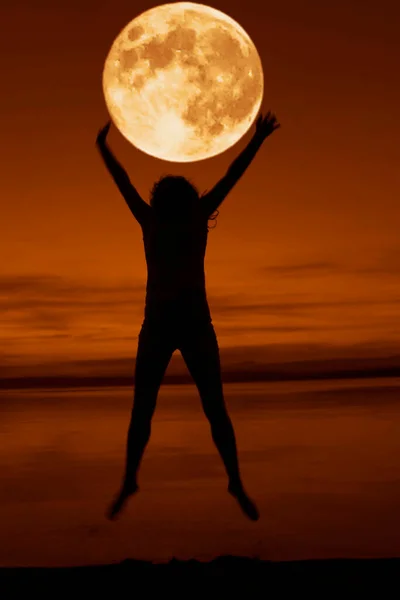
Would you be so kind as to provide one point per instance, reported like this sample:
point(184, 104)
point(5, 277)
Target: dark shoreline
point(257, 576)
point(63, 382)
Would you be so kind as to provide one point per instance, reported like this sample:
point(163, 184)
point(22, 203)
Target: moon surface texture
point(183, 82)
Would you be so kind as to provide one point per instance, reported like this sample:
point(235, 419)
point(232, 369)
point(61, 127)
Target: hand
point(101, 136)
point(266, 125)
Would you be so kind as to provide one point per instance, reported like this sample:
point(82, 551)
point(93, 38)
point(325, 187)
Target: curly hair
point(181, 194)
point(213, 217)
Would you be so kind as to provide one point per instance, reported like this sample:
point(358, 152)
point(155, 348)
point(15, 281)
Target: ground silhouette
point(228, 575)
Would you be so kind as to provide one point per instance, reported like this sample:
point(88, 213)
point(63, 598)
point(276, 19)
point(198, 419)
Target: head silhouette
point(173, 197)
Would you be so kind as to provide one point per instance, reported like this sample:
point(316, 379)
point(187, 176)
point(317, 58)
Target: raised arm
point(264, 127)
point(138, 207)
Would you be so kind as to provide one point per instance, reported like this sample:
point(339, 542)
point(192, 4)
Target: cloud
point(46, 315)
point(53, 305)
point(285, 304)
point(45, 291)
point(384, 263)
point(306, 268)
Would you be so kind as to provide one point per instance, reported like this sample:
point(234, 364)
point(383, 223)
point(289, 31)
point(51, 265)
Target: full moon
point(183, 82)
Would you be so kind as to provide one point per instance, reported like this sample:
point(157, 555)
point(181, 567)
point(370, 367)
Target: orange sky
point(307, 246)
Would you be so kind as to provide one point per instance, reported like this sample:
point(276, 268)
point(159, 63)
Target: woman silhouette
point(176, 315)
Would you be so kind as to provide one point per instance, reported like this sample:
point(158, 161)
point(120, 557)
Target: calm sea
point(321, 459)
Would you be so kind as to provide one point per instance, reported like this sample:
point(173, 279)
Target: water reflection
point(321, 459)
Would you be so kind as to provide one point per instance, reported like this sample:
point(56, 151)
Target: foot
point(119, 502)
point(247, 505)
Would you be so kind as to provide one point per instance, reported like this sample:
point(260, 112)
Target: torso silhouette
point(175, 253)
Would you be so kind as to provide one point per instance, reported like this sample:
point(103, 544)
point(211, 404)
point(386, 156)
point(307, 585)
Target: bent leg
point(154, 352)
point(200, 352)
